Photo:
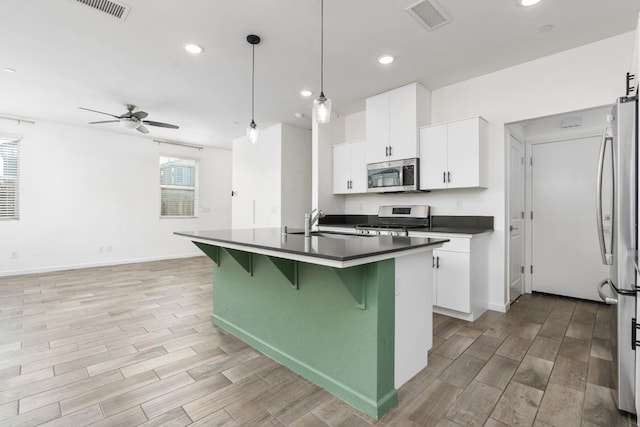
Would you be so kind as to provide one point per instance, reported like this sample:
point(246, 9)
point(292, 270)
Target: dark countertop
point(338, 249)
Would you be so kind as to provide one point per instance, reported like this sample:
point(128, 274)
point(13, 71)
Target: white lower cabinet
point(451, 280)
point(460, 275)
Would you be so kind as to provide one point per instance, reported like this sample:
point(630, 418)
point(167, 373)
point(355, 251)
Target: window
point(9, 186)
point(178, 188)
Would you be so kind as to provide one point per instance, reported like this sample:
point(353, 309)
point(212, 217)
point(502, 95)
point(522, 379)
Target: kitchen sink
point(329, 235)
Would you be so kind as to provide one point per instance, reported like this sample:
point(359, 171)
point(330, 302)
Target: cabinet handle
point(386, 151)
point(390, 150)
point(448, 176)
point(444, 177)
point(433, 262)
point(437, 262)
point(350, 184)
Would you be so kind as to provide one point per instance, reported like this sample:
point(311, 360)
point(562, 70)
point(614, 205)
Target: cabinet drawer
point(455, 244)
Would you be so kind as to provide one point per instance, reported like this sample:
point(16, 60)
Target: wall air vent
point(117, 10)
point(429, 14)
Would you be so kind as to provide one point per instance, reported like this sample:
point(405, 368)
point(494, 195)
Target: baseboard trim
point(51, 269)
point(502, 308)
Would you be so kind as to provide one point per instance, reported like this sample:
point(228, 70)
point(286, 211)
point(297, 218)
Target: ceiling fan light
point(322, 107)
point(252, 132)
point(130, 124)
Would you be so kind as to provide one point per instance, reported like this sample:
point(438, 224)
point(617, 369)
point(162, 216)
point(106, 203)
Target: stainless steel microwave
point(393, 176)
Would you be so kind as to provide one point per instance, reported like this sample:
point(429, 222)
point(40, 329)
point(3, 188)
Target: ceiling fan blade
point(160, 124)
point(140, 114)
point(101, 112)
point(142, 129)
point(104, 121)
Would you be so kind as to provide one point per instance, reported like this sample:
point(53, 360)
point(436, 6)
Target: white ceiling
point(68, 55)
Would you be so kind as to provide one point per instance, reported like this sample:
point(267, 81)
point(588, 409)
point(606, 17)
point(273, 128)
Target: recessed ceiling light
point(10, 70)
point(528, 2)
point(306, 93)
point(385, 59)
point(193, 48)
point(545, 28)
point(298, 115)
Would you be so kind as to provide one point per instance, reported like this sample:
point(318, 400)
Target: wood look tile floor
point(134, 345)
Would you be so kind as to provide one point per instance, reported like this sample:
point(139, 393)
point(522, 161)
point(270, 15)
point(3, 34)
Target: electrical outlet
point(15, 254)
point(109, 248)
point(458, 204)
point(101, 249)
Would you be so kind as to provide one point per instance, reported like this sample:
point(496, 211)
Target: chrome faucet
point(310, 220)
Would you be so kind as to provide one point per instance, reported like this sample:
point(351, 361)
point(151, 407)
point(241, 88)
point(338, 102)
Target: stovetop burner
point(396, 220)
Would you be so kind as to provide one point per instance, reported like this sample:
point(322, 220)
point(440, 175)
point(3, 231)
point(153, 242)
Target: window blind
point(178, 187)
point(9, 178)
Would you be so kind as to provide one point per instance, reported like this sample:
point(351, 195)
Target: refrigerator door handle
point(607, 258)
point(607, 299)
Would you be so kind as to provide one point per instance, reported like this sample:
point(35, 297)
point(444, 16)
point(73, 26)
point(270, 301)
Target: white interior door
point(565, 254)
point(516, 218)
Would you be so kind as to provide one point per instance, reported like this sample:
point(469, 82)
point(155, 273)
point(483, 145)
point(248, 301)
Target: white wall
point(83, 189)
point(585, 77)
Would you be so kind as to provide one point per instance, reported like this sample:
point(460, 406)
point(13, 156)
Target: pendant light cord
point(321, 46)
point(253, 78)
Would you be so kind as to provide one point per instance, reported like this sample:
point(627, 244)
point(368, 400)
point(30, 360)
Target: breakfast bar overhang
point(351, 314)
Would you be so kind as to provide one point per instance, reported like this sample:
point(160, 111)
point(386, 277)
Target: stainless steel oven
point(393, 176)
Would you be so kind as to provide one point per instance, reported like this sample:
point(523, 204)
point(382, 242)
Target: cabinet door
point(463, 157)
point(341, 168)
point(452, 280)
point(403, 129)
point(242, 176)
point(358, 167)
point(433, 157)
point(377, 124)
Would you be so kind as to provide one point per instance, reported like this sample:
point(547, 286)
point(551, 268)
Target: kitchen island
point(352, 314)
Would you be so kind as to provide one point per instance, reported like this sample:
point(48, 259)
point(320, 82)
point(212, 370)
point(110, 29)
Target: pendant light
point(252, 129)
point(322, 105)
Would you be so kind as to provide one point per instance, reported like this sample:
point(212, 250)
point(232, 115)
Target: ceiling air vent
point(429, 14)
point(117, 10)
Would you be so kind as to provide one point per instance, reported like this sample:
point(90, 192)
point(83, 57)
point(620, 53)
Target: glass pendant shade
point(252, 132)
point(322, 105)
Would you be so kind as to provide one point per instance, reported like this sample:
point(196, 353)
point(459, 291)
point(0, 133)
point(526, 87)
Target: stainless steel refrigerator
point(617, 231)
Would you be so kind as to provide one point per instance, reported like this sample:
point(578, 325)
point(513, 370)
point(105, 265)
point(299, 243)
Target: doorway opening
point(552, 244)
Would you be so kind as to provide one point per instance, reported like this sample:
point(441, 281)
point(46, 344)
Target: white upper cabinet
point(349, 168)
point(454, 155)
point(392, 122)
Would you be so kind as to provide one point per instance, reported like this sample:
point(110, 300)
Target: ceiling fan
point(135, 118)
